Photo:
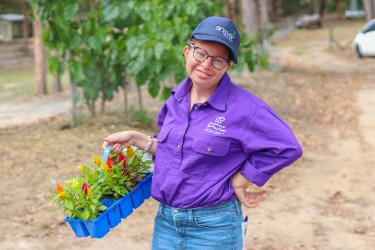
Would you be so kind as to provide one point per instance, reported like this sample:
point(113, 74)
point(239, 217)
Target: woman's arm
point(120, 140)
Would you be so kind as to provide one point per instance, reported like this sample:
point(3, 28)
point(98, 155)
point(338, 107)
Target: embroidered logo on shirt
point(216, 127)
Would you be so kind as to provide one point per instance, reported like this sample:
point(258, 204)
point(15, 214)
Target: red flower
point(109, 163)
point(122, 157)
point(86, 189)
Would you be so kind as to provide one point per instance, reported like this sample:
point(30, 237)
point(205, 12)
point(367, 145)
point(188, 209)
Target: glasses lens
point(199, 54)
point(218, 63)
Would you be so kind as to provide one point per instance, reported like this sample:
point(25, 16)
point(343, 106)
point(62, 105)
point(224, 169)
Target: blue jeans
point(216, 228)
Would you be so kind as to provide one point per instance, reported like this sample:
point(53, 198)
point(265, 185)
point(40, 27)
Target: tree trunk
point(273, 10)
point(369, 8)
point(249, 16)
point(57, 87)
point(25, 26)
point(140, 99)
point(230, 7)
point(39, 56)
point(340, 13)
point(321, 8)
point(74, 93)
point(126, 105)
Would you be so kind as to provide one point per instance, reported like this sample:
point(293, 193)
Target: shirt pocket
point(209, 160)
point(211, 146)
point(161, 149)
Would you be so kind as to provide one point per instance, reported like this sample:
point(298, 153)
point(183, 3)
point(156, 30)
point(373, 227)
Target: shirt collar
point(217, 100)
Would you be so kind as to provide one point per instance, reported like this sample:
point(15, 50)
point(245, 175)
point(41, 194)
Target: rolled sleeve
point(271, 146)
point(253, 174)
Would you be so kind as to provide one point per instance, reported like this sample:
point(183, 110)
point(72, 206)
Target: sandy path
point(330, 204)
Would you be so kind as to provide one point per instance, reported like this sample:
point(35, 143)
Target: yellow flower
point(73, 182)
point(80, 168)
point(97, 160)
point(105, 167)
point(61, 195)
point(130, 151)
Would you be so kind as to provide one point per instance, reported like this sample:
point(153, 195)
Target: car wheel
point(358, 51)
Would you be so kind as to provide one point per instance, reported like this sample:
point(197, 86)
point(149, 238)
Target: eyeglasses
point(201, 55)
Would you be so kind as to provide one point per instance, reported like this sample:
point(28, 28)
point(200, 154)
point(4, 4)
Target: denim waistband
point(202, 211)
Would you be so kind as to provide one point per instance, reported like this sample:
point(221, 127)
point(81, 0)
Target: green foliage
point(113, 183)
point(103, 42)
point(250, 54)
point(80, 202)
point(291, 7)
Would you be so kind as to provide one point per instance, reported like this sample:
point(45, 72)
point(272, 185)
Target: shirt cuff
point(254, 175)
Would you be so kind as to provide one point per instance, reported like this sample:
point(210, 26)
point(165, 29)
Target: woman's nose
point(207, 63)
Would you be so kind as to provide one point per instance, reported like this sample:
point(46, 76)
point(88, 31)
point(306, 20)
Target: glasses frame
point(207, 56)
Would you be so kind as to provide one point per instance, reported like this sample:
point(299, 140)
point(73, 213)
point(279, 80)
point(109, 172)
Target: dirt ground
point(323, 201)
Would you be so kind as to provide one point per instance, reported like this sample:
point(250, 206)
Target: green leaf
point(70, 10)
point(68, 204)
point(85, 215)
point(159, 49)
point(153, 87)
point(111, 12)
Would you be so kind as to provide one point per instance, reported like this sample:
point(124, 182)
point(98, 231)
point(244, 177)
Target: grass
point(343, 31)
point(22, 82)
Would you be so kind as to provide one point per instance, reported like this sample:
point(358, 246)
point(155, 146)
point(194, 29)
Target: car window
point(369, 27)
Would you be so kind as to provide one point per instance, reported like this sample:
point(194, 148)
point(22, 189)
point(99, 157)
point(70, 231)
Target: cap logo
point(228, 34)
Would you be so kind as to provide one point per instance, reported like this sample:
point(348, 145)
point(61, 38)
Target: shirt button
point(175, 211)
point(209, 149)
point(178, 146)
point(205, 104)
point(196, 107)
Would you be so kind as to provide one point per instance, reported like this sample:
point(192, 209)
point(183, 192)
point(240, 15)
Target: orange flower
point(130, 151)
point(59, 188)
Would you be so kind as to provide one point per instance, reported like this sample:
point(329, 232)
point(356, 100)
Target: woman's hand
point(124, 139)
point(119, 140)
point(249, 199)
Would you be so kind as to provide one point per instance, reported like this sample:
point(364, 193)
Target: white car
point(364, 41)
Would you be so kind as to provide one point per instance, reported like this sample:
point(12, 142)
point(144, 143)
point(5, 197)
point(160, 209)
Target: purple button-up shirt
point(199, 150)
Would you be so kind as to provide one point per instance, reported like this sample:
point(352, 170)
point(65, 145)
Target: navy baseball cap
point(221, 30)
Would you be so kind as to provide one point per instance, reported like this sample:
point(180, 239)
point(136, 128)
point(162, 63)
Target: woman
point(215, 140)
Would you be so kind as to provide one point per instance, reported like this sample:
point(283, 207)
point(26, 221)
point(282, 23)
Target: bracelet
point(149, 144)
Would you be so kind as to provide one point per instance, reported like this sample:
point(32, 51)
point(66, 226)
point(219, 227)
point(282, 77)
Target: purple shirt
point(200, 149)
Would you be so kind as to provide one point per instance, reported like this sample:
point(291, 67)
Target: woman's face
point(203, 74)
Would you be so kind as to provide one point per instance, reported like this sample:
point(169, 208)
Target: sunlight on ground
point(343, 31)
point(22, 82)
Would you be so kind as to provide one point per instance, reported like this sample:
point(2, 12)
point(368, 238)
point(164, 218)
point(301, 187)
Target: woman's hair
point(192, 41)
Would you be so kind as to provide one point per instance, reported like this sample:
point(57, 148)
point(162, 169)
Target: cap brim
point(215, 39)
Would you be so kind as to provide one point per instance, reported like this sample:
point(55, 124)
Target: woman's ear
point(186, 51)
point(228, 67)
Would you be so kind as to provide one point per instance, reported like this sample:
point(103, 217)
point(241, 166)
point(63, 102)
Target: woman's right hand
point(124, 139)
point(119, 141)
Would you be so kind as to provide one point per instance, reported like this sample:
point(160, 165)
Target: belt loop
point(162, 208)
point(190, 215)
point(238, 207)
